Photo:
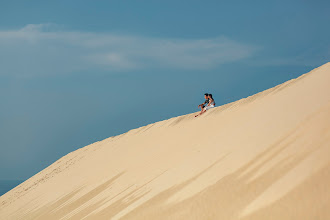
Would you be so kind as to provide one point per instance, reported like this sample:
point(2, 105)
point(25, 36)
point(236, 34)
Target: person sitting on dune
point(206, 96)
point(209, 103)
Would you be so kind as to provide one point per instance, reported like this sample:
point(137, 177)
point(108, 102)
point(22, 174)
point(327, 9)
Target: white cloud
point(41, 49)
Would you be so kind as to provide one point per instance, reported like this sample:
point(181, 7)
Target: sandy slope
point(263, 157)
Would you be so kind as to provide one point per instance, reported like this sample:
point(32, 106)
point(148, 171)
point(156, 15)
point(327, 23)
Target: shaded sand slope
point(263, 157)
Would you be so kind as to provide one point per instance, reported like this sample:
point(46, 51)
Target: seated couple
point(209, 103)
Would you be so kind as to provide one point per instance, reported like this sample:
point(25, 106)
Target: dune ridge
point(266, 156)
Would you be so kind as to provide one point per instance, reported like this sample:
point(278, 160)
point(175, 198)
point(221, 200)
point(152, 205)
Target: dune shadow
point(228, 197)
point(64, 205)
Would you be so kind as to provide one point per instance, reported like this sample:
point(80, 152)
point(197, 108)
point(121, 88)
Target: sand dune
point(263, 157)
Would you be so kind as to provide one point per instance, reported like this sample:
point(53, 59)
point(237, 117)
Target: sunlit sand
point(266, 156)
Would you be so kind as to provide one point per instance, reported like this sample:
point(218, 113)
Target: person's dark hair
point(206, 94)
point(210, 95)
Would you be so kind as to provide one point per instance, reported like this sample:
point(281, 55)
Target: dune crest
point(266, 156)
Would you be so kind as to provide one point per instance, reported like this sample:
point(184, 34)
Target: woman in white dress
point(211, 103)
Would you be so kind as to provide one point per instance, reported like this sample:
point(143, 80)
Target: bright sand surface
point(263, 157)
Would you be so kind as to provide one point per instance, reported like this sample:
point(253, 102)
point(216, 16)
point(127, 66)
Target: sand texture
point(266, 156)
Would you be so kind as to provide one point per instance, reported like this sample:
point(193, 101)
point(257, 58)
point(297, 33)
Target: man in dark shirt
point(206, 96)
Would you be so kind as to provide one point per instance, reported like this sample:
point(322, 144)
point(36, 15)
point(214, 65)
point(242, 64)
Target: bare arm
point(210, 102)
point(201, 104)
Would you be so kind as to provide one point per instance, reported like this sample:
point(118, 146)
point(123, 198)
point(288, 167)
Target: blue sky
point(76, 72)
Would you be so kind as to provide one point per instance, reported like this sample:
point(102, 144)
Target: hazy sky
point(75, 72)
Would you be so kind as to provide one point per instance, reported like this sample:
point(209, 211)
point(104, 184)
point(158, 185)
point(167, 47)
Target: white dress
point(209, 106)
